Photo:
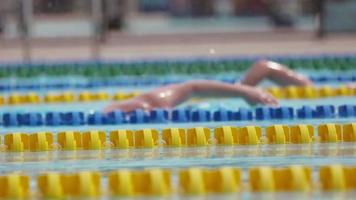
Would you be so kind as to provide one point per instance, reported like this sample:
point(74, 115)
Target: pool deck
point(124, 46)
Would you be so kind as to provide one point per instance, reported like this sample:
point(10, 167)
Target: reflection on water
point(240, 156)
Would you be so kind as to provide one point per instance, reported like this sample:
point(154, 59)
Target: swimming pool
point(202, 150)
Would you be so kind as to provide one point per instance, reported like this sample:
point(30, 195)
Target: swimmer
point(172, 95)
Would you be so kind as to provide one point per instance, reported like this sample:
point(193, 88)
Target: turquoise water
point(242, 156)
point(313, 155)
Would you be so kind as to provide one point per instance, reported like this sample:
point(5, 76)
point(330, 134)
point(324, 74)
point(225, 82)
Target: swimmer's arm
point(204, 88)
point(172, 95)
point(275, 72)
point(207, 89)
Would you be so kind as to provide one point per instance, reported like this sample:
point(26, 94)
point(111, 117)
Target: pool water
point(244, 157)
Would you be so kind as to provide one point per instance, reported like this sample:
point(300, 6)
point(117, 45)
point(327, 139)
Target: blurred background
point(125, 29)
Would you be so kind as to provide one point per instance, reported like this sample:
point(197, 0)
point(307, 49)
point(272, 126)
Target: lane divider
point(310, 92)
point(74, 118)
point(166, 67)
point(63, 97)
point(193, 181)
point(290, 92)
point(152, 81)
point(179, 137)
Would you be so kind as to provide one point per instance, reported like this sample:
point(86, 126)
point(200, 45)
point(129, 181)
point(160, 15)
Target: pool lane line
point(289, 92)
point(176, 116)
point(193, 181)
point(176, 66)
point(179, 137)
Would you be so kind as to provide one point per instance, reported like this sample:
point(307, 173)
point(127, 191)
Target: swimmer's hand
point(351, 85)
point(126, 106)
point(113, 106)
point(255, 96)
